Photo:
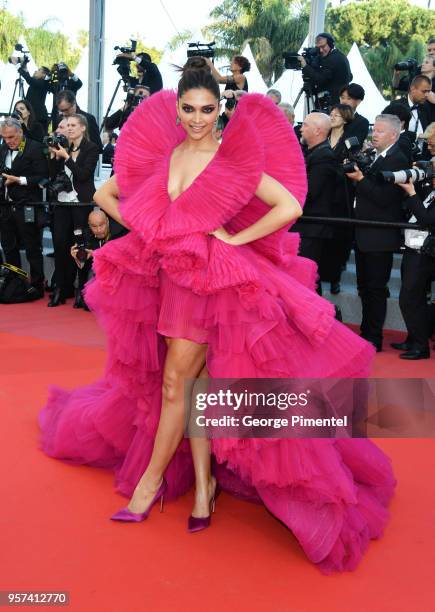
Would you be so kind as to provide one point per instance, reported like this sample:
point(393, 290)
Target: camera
point(197, 49)
point(231, 103)
point(422, 172)
point(310, 54)
point(54, 140)
point(17, 115)
point(123, 63)
point(410, 65)
point(60, 183)
point(356, 157)
point(81, 245)
point(133, 99)
point(60, 73)
point(3, 170)
point(23, 60)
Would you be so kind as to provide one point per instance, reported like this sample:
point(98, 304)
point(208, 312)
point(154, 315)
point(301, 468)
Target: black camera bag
point(14, 286)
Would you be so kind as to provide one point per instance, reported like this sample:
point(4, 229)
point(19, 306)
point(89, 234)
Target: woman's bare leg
point(204, 482)
point(184, 359)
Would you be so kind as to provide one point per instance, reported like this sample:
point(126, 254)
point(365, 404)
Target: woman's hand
point(61, 153)
point(222, 234)
point(408, 187)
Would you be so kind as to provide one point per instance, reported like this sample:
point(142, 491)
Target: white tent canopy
point(373, 102)
point(254, 78)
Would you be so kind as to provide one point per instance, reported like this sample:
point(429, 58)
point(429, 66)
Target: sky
point(145, 17)
point(124, 19)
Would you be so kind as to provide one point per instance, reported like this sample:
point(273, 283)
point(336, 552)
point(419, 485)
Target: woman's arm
point(284, 209)
point(219, 78)
point(107, 198)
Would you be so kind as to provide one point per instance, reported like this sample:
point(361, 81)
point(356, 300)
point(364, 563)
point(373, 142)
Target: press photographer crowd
point(368, 184)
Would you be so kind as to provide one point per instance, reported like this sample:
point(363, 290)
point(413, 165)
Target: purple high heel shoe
point(126, 516)
point(198, 523)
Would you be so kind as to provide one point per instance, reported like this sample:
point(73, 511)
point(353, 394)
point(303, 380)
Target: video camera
point(123, 63)
point(422, 172)
point(197, 49)
point(310, 54)
point(23, 60)
point(356, 157)
point(61, 182)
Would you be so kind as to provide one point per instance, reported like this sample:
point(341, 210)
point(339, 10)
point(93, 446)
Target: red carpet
point(56, 536)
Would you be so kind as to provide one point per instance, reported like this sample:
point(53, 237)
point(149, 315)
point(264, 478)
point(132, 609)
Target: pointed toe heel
point(127, 516)
point(195, 523)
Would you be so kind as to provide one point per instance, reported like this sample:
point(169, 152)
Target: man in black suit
point(67, 105)
point(39, 85)
point(18, 223)
point(353, 94)
point(417, 103)
point(323, 171)
point(405, 142)
point(375, 246)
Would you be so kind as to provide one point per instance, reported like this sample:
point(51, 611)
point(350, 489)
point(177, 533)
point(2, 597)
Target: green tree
point(371, 22)
point(269, 26)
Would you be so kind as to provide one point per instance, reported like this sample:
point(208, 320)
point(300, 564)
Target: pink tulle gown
point(256, 308)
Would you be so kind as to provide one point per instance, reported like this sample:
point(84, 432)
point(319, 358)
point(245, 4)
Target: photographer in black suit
point(62, 79)
point(27, 167)
point(75, 167)
point(39, 85)
point(330, 71)
point(67, 105)
point(418, 268)
point(375, 246)
point(323, 172)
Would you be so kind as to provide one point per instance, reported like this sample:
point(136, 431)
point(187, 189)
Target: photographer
point(67, 106)
point(353, 94)
point(23, 111)
point(72, 171)
point(102, 230)
point(134, 97)
point(62, 79)
point(402, 83)
point(418, 268)
point(23, 167)
point(39, 85)
point(323, 172)
point(237, 81)
point(231, 100)
point(148, 73)
point(330, 71)
point(375, 246)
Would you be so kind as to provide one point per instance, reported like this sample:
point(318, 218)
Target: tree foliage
point(46, 47)
point(269, 26)
point(370, 22)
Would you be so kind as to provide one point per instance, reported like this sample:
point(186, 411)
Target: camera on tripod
point(422, 172)
point(123, 63)
point(22, 60)
point(356, 157)
point(292, 62)
point(198, 49)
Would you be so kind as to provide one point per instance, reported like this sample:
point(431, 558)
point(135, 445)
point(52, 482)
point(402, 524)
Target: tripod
point(19, 83)
point(111, 101)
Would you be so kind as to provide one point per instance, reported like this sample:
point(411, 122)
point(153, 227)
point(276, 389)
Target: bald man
point(325, 178)
point(101, 232)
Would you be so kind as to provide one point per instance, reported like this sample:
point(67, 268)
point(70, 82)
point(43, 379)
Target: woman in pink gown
point(208, 283)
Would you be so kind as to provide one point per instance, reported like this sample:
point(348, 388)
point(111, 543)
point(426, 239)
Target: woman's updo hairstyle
point(243, 62)
point(196, 74)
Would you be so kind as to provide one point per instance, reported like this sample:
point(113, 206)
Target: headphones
point(328, 37)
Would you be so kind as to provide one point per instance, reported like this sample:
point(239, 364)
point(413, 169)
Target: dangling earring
point(177, 120)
